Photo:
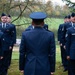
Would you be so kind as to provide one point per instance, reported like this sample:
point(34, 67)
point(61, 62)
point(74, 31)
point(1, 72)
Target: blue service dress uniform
point(36, 46)
point(46, 28)
point(60, 30)
point(70, 48)
point(8, 41)
point(52, 67)
point(65, 28)
point(1, 51)
point(13, 39)
point(13, 33)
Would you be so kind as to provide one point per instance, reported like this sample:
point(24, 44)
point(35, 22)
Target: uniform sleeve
point(1, 45)
point(52, 54)
point(63, 35)
point(14, 34)
point(22, 53)
point(59, 33)
point(68, 41)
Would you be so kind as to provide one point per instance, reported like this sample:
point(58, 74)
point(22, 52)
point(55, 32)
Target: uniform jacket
point(70, 42)
point(46, 28)
point(8, 33)
point(13, 33)
point(65, 28)
point(60, 30)
point(36, 46)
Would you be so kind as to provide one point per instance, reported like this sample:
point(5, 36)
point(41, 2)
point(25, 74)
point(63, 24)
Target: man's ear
point(33, 23)
point(42, 23)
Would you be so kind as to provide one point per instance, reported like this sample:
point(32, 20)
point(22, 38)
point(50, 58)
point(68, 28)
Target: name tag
point(73, 34)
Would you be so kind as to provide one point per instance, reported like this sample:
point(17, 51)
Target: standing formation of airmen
point(66, 36)
point(63, 52)
point(13, 36)
point(8, 31)
point(37, 54)
point(37, 48)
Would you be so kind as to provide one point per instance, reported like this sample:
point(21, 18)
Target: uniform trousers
point(63, 57)
point(72, 67)
point(1, 66)
point(5, 62)
point(62, 54)
point(10, 56)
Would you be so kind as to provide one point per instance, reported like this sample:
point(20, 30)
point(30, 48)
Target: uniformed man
point(1, 51)
point(36, 46)
point(60, 30)
point(8, 32)
point(13, 38)
point(66, 27)
point(45, 26)
point(70, 48)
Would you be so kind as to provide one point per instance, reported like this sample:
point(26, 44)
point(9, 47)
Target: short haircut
point(69, 16)
point(65, 17)
point(38, 21)
point(73, 15)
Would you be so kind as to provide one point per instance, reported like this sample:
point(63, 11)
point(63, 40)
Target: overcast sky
point(55, 2)
point(72, 1)
point(59, 2)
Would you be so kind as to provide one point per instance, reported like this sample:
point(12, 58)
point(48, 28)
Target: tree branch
point(22, 24)
point(21, 12)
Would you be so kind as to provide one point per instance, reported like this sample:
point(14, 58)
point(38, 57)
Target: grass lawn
point(14, 70)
